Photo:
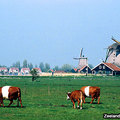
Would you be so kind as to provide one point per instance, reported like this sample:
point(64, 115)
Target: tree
point(56, 68)
point(47, 67)
point(18, 65)
point(41, 66)
point(30, 66)
point(66, 68)
point(36, 66)
point(25, 65)
point(34, 74)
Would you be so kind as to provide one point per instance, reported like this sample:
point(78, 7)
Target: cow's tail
point(19, 97)
point(19, 93)
point(98, 92)
point(98, 95)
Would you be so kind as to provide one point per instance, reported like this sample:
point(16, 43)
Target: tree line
point(45, 67)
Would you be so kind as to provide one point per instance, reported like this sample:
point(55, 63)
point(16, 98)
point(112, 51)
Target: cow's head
point(68, 95)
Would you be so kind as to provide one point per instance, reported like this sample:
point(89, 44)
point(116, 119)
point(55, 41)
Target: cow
point(10, 93)
point(91, 91)
point(75, 96)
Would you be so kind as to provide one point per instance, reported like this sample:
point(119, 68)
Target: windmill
point(83, 61)
point(113, 53)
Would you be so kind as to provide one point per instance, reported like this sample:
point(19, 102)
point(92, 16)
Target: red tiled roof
point(25, 69)
point(38, 69)
point(83, 67)
point(51, 70)
point(13, 69)
point(112, 66)
point(3, 68)
point(75, 69)
point(59, 71)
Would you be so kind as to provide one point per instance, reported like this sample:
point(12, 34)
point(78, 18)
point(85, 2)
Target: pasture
point(45, 99)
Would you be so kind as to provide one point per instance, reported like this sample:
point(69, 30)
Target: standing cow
point(10, 93)
point(91, 91)
point(75, 96)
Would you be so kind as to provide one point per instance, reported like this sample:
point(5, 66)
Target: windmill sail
point(81, 52)
point(83, 61)
point(115, 40)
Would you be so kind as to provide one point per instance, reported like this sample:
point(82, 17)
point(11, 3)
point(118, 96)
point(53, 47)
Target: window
point(100, 67)
point(103, 67)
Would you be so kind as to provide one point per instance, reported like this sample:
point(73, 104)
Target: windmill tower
point(83, 61)
point(113, 53)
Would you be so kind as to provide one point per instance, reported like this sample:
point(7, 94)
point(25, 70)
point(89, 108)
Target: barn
point(106, 68)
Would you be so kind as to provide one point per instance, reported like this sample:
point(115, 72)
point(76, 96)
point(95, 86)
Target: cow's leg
point(11, 101)
point(18, 103)
point(98, 99)
point(1, 102)
point(92, 100)
point(78, 103)
point(73, 103)
point(83, 98)
point(19, 99)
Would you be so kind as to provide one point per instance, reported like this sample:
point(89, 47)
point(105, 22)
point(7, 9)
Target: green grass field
point(45, 99)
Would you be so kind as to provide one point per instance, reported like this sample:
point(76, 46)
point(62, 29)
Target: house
point(38, 69)
point(3, 70)
point(13, 71)
point(59, 71)
point(85, 69)
point(74, 70)
point(51, 70)
point(25, 71)
point(106, 68)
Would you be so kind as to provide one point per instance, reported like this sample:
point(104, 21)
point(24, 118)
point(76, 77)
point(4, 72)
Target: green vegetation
point(34, 74)
point(45, 98)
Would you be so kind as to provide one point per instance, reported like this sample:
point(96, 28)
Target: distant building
point(59, 71)
point(74, 70)
point(38, 69)
point(13, 71)
point(50, 70)
point(83, 61)
point(106, 68)
point(113, 53)
point(3, 70)
point(25, 71)
point(85, 69)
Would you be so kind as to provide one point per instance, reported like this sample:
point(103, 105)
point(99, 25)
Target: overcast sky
point(54, 31)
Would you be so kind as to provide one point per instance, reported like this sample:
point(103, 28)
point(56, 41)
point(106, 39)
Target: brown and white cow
point(91, 91)
point(75, 96)
point(10, 93)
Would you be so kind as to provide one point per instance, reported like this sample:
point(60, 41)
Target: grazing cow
point(91, 91)
point(10, 93)
point(75, 96)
